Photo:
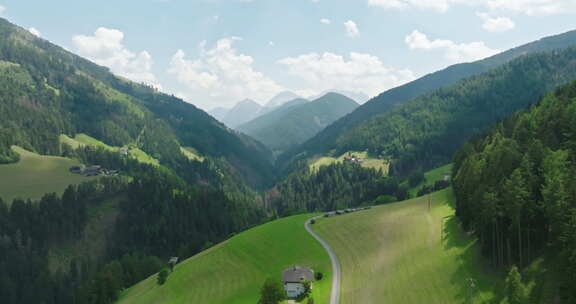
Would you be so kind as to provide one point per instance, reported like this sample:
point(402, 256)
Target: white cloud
point(527, 7)
point(496, 24)
point(534, 7)
point(351, 28)
point(2, 9)
point(438, 5)
point(105, 48)
point(271, 43)
point(358, 73)
point(455, 52)
point(325, 21)
point(221, 75)
point(35, 32)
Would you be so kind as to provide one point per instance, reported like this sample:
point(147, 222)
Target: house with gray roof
point(293, 279)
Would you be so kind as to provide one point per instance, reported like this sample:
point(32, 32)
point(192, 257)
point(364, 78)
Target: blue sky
point(217, 52)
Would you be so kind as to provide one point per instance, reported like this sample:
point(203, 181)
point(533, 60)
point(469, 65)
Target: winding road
point(335, 294)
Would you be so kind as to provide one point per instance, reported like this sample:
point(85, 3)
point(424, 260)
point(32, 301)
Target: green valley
point(455, 183)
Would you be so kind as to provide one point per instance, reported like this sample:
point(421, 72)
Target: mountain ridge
point(326, 139)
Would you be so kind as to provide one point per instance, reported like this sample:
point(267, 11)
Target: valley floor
point(404, 253)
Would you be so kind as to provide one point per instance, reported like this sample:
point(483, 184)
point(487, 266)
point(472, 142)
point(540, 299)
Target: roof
point(297, 274)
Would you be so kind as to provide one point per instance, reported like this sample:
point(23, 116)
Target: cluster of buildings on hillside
point(351, 158)
point(95, 170)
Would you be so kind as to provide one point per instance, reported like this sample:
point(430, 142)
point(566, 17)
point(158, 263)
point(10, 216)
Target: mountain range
point(298, 120)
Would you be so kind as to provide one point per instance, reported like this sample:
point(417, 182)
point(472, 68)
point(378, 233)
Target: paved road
point(335, 295)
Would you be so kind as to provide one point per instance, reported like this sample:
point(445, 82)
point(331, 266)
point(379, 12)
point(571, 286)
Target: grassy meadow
point(431, 177)
point(403, 253)
point(81, 140)
point(34, 175)
point(369, 162)
point(233, 272)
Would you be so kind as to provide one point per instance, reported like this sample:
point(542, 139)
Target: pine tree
point(515, 290)
point(162, 276)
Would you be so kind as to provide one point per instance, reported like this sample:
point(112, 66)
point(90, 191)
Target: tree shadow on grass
point(474, 276)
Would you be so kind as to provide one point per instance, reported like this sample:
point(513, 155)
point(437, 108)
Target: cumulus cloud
point(35, 32)
point(527, 7)
point(221, 75)
point(455, 52)
point(105, 48)
point(351, 28)
point(358, 73)
point(325, 21)
point(496, 24)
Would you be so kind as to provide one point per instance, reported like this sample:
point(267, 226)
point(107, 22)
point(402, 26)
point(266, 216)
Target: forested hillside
point(289, 126)
point(426, 131)
point(515, 187)
point(107, 234)
point(327, 139)
point(333, 187)
point(134, 223)
point(47, 91)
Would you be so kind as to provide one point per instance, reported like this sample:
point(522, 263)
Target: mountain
point(48, 91)
point(516, 182)
point(297, 121)
point(326, 139)
point(359, 97)
point(427, 131)
point(280, 99)
point(219, 113)
point(242, 112)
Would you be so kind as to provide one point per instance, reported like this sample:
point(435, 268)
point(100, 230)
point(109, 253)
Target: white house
point(293, 277)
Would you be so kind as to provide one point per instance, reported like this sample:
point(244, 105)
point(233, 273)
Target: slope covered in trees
point(515, 187)
point(155, 214)
point(149, 212)
point(426, 131)
point(326, 140)
point(289, 126)
point(332, 187)
point(46, 91)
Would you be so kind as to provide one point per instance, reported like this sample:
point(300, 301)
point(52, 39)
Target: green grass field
point(369, 162)
point(402, 253)
point(191, 153)
point(234, 271)
point(431, 177)
point(81, 140)
point(35, 175)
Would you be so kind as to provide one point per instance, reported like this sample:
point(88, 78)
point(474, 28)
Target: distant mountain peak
point(247, 101)
point(281, 98)
point(357, 96)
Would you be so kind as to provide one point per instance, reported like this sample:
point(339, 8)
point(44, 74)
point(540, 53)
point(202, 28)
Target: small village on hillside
point(95, 170)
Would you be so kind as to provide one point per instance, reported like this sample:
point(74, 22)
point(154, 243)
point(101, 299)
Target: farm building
point(77, 169)
point(293, 278)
